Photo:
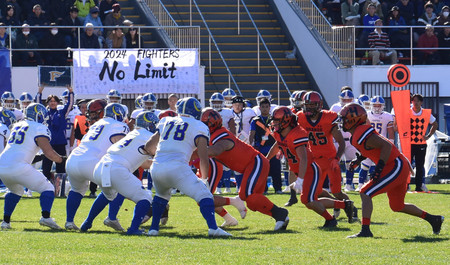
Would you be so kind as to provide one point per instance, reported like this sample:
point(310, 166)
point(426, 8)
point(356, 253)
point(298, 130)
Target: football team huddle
point(189, 149)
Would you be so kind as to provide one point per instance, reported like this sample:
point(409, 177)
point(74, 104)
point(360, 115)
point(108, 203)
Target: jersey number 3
point(179, 133)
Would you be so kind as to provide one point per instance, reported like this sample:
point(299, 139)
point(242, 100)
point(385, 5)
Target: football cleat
point(218, 233)
point(291, 202)
point(363, 233)
point(114, 224)
point(330, 223)
point(230, 221)
point(282, 220)
point(436, 224)
point(49, 222)
point(349, 210)
point(135, 232)
point(5, 225)
point(85, 226)
point(153, 233)
point(71, 226)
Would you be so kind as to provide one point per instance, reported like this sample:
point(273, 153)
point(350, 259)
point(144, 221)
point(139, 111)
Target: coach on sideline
point(57, 125)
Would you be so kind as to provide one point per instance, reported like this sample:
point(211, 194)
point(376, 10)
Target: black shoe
point(292, 201)
point(330, 223)
point(92, 195)
point(349, 210)
point(363, 233)
point(281, 218)
point(436, 223)
point(355, 214)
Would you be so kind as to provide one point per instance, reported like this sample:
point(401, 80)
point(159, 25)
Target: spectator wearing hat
point(444, 16)
point(115, 18)
point(106, 8)
point(133, 38)
point(83, 8)
point(95, 20)
point(399, 37)
point(71, 34)
point(406, 9)
point(59, 10)
point(88, 39)
point(428, 18)
point(25, 40)
point(53, 39)
point(4, 37)
point(378, 9)
point(379, 40)
point(38, 18)
point(116, 39)
point(444, 42)
point(428, 40)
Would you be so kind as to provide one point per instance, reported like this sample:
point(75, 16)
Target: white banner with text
point(96, 71)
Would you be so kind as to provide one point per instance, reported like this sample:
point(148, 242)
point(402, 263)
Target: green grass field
point(399, 238)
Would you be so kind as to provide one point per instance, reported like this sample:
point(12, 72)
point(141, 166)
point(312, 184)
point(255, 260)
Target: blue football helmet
point(114, 96)
point(217, 101)
point(147, 120)
point(190, 106)
point(65, 96)
point(138, 102)
point(7, 117)
point(149, 101)
point(25, 99)
point(36, 112)
point(377, 104)
point(346, 97)
point(263, 94)
point(8, 100)
point(228, 94)
point(364, 101)
point(115, 111)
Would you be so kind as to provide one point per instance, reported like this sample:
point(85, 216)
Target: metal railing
point(260, 38)
point(211, 38)
point(190, 36)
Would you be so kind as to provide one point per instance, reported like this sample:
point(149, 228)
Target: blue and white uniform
point(243, 121)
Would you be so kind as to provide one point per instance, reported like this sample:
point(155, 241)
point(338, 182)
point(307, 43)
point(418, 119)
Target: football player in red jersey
point(293, 141)
point(241, 157)
point(321, 127)
point(391, 172)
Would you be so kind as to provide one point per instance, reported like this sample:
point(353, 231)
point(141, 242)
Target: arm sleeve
point(68, 105)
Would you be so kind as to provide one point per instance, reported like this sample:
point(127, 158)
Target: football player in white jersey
point(228, 95)
point(137, 110)
point(7, 119)
point(9, 103)
point(260, 96)
point(81, 162)
point(242, 117)
point(24, 100)
point(27, 138)
point(173, 145)
point(364, 101)
point(114, 96)
point(346, 97)
point(70, 120)
point(149, 102)
point(383, 122)
point(114, 172)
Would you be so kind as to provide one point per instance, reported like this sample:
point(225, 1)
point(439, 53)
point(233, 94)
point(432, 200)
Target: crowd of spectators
point(92, 14)
point(395, 13)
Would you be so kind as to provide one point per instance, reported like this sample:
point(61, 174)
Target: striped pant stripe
point(312, 189)
point(254, 176)
point(389, 178)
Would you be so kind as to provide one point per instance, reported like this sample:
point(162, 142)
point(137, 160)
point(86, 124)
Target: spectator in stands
point(406, 9)
point(116, 39)
point(428, 40)
point(4, 37)
point(172, 101)
point(429, 17)
point(88, 39)
point(444, 42)
point(59, 10)
point(71, 34)
point(399, 36)
point(17, 9)
point(10, 18)
point(350, 13)
point(379, 40)
point(115, 18)
point(439, 4)
point(106, 8)
point(133, 38)
point(83, 8)
point(378, 10)
point(127, 23)
point(368, 21)
point(38, 19)
point(94, 19)
point(53, 40)
point(332, 10)
point(444, 16)
point(25, 40)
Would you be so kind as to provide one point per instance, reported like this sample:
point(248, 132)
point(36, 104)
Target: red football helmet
point(352, 115)
point(95, 110)
point(212, 119)
point(282, 117)
point(167, 113)
point(313, 103)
